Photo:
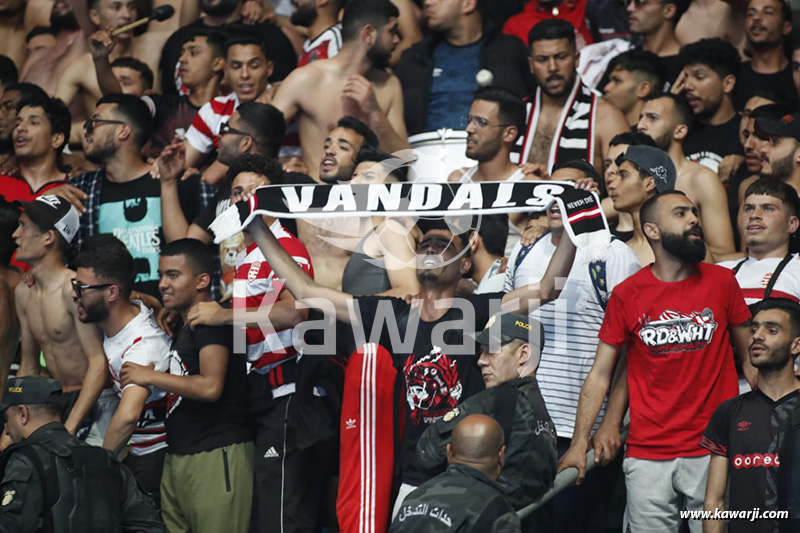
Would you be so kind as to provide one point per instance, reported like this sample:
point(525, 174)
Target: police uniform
point(517, 405)
point(30, 498)
point(460, 499)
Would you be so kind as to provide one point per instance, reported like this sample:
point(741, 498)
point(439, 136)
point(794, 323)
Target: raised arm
point(533, 296)
point(287, 98)
point(297, 281)
point(593, 393)
point(713, 205)
point(101, 44)
point(398, 245)
point(359, 99)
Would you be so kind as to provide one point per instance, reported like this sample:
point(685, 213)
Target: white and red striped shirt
point(142, 342)
point(255, 283)
point(325, 46)
point(203, 134)
point(753, 277)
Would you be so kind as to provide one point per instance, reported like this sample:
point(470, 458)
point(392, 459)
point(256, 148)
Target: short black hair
point(683, 111)
point(777, 189)
point(134, 112)
point(257, 164)
point(680, 8)
point(351, 123)
point(397, 167)
point(27, 90)
point(246, 39)
point(39, 30)
point(632, 138)
point(720, 56)
point(198, 255)
point(266, 125)
point(214, 38)
point(579, 164)
point(551, 30)
point(768, 93)
point(646, 65)
point(494, 233)
point(9, 74)
point(511, 108)
point(140, 67)
point(647, 211)
point(786, 10)
point(786, 305)
point(359, 13)
point(110, 259)
point(9, 220)
point(56, 112)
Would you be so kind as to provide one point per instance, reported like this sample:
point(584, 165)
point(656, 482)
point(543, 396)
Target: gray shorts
point(94, 426)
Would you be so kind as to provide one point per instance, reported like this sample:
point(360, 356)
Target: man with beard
point(707, 80)
point(584, 129)
point(102, 290)
point(324, 31)
point(676, 319)
point(354, 83)
point(438, 74)
point(224, 16)
point(767, 25)
point(40, 134)
point(493, 126)
point(80, 78)
point(744, 432)
point(779, 157)
point(122, 197)
point(667, 118)
point(49, 322)
point(46, 66)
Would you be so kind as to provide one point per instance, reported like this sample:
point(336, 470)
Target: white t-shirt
point(753, 277)
point(142, 342)
point(571, 323)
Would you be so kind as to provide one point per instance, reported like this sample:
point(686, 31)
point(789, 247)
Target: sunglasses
point(91, 124)
point(78, 288)
point(227, 128)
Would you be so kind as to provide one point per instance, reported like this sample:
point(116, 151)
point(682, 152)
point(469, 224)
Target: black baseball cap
point(53, 212)
point(654, 162)
point(506, 327)
point(31, 390)
point(786, 126)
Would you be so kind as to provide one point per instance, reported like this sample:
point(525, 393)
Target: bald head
point(478, 442)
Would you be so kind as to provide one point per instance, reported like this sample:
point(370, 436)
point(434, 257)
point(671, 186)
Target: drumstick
point(160, 13)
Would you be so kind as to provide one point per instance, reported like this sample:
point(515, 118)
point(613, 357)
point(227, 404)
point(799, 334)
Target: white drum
point(437, 154)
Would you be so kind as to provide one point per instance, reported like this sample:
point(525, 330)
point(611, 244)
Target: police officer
point(51, 481)
point(510, 348)
point(464, 497)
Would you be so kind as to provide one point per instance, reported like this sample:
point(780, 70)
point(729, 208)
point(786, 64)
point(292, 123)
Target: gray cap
point(654, 162)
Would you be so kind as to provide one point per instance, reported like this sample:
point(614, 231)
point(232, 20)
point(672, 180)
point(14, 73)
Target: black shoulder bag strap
point(739, 265)
point(505, 407)
point(774, 278)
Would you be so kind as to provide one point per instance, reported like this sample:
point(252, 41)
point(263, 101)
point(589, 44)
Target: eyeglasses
point(78, 288)
point(479, 122)
point(227, 128)
point(89, 125)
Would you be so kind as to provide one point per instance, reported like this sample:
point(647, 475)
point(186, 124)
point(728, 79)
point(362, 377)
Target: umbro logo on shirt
point(271, 453)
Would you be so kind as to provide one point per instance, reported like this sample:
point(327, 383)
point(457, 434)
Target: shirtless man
point(44, 67)
point(353, 83)
point(48, 316)
point(493, 126)
point(666, 118)
point(553, 61)
point(79, 77)
point(13, 31)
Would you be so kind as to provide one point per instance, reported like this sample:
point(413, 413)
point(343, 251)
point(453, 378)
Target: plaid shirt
point(91, 183)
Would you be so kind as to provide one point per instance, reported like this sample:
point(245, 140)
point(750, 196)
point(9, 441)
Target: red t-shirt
point(680, 361)
point(15, 188)
point(573, 11)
